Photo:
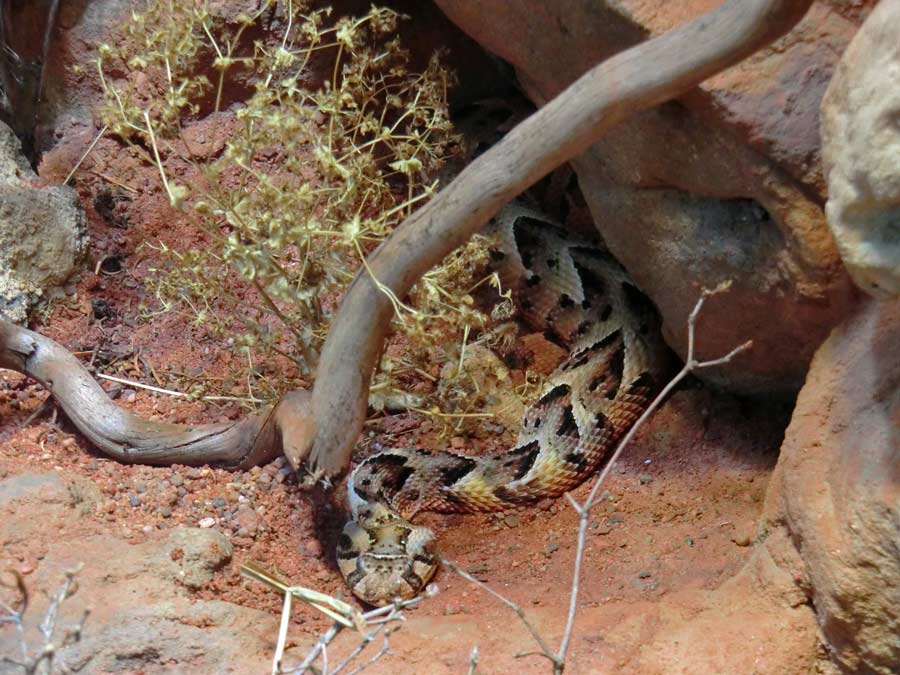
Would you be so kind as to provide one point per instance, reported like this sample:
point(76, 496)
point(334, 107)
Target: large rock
point(861, 153)
point(723, 184)
point(835, 495)
point(42, 232)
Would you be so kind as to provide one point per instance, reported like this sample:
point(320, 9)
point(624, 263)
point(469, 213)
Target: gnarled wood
point(130, 438)
point(638, 78)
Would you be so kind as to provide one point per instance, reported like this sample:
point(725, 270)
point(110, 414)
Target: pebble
point(551, 549)
point(744, 535)
point(246, 521)
point(644, 574)
point(128, 395)
point(313, 547)
point(165, 512)
point(177, 479)
point(219, 502)
point(645, 478)
point(206, 523)
point(134, 499)
point(457, 442)
point(512, 520)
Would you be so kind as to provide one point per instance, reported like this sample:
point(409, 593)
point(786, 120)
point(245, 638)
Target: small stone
point(247, 521)
point(128, 395)
point(457, 442)
point(134, 499)
point(644, 574)
point(512, 520)
point(140, 488)
point(206, 523)
point(165, 512)
point(645, 478)
point(745, 535)
point(545, 504)
point(177, 479)
point(551, 549)
point(219, 502)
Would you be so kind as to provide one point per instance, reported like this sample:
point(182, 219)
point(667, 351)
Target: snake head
point(381, 561)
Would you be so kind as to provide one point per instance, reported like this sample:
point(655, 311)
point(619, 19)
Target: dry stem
point(583, 509)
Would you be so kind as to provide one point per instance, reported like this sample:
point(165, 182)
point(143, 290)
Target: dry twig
point(344, 616)
point(583, 509)
point(50, 652)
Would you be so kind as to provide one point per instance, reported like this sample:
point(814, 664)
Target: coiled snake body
point(584, 299)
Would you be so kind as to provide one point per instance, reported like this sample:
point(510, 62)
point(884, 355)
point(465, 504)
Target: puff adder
point(585, 300)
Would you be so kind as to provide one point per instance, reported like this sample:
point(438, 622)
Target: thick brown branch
point(638, 78)
point(129, 438)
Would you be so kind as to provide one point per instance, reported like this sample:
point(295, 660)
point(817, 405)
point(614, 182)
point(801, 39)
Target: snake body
point(584, 299)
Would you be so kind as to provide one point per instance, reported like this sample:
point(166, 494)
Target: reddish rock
point(836, 492)
point(723, 184)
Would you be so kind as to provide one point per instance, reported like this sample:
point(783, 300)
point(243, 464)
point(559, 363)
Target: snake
point(581, 298)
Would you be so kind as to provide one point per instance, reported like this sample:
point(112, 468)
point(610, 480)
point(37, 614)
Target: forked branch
point(583, 509)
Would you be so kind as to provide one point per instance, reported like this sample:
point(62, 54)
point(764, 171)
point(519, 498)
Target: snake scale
point(584, 299)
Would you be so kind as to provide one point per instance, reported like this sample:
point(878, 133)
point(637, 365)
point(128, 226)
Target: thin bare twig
point(86, 153)
point(473, 661)
point(584, 508)
point(52, 646)
point(545, 649)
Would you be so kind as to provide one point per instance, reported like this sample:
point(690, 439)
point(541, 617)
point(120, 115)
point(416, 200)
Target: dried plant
point(313, 176)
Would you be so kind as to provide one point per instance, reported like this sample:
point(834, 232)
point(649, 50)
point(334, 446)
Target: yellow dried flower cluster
point(313, 177)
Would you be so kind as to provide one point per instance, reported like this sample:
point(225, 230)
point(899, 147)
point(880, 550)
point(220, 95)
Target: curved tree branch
point(129, 438)
point(638, 78)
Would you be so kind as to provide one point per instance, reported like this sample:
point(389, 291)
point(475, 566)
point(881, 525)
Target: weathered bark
point(129, 438)
point(638, 78)
point(323, 431)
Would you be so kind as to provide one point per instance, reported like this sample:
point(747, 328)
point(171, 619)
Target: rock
point(861, 153)
point(202, 553)
point(835, 494)
point(42, 233)
point(247, 521)
point(722, 184)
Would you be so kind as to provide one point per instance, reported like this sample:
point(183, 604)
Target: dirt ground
point(679, 516)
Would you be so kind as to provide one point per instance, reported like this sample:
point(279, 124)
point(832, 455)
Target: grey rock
point(43, 234)
point(861, 153)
